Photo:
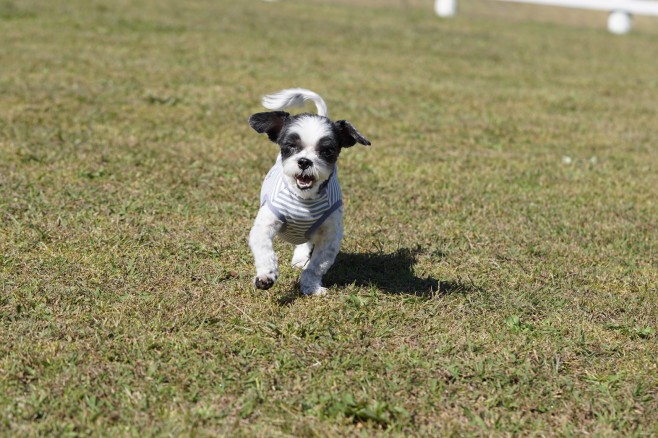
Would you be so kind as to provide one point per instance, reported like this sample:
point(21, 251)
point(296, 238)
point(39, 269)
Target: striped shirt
point(300, 217)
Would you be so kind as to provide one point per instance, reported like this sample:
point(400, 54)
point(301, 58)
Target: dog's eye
point(328, 152)
point(290, 147)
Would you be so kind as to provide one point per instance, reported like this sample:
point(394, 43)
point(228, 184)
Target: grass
point(498, 274)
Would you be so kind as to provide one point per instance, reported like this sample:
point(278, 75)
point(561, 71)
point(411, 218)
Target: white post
point(445, 8)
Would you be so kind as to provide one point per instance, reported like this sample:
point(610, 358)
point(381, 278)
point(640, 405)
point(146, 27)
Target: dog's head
point(310, 145)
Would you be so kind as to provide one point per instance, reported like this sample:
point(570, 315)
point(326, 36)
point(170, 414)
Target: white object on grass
point(445, 8)
point(620, 22)
point(621, 11)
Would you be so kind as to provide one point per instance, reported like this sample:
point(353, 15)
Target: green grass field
point(499, 270)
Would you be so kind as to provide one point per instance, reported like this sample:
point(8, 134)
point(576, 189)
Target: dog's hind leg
point(326, 242)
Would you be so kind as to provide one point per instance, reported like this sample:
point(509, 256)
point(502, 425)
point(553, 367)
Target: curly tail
point(294, 98)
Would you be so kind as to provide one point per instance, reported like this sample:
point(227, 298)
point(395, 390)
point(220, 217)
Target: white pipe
point(636, 7)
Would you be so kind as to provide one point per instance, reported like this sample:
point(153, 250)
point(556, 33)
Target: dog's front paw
point(311, 284)
point(265, 281)
point(318, 291)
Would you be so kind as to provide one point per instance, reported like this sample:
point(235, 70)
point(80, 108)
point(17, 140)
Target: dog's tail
point(294, 98)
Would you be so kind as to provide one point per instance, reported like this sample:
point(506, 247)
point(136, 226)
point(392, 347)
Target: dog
point(300, 200)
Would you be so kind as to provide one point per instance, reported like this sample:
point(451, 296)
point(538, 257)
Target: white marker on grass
point(620, 22)
point(445, 8)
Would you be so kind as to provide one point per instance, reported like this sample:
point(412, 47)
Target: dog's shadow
point(391, 273)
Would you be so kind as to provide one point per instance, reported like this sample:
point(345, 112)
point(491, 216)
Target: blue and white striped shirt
point(300, 217)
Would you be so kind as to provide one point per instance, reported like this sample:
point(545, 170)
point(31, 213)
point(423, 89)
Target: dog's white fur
point(310, 131)
point(294, 98)
point(316, 256)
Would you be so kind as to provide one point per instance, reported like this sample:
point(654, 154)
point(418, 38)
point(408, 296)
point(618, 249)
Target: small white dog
point(300, 198)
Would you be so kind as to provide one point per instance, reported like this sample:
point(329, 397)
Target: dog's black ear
point(270, 123)
point(348, 136)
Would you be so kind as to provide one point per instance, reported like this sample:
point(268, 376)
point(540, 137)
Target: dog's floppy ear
point(270, 123)
point(348, 135)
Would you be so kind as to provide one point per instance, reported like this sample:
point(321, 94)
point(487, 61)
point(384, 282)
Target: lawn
point(499, 270)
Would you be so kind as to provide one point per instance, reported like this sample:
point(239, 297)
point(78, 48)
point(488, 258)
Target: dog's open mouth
point(304, 182)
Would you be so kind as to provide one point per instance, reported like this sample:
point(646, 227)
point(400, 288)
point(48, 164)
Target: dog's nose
point(304, 163)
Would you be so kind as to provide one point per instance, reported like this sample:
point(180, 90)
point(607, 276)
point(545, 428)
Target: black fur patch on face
point(328, 149)
point(290, 144)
